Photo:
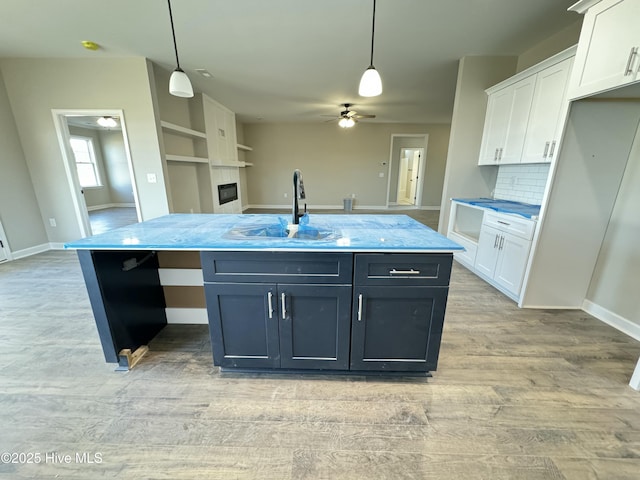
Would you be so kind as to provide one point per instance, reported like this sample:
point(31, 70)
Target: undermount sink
point(276, 232)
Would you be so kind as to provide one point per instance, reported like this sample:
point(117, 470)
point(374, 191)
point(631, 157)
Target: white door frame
point(5, 249)
point(421, 168)
point(62, 131)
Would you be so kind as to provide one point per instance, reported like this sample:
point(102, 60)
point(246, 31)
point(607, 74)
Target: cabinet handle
point(501, 242)
point(411, 271)
point(360, 307)
point(500, 154)
point(270, 298)
point(553, 148)
point(495, 156)
point(284, 306)
point(495, 244)
point(546, 150)
point(629, 68)
point(503, 223)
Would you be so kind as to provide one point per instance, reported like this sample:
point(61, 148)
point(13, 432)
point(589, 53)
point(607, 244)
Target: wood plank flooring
point(519, 394)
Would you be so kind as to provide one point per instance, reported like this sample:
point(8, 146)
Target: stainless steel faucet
point(298, 194)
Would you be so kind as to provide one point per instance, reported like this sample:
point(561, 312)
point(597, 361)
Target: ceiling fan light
point(370, 83)
point(180, 85)
point(107, 122)
point(346, 122)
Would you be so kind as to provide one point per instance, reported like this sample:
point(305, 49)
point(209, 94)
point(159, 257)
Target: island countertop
point(202, 232)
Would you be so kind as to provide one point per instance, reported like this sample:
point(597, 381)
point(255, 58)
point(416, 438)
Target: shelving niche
point(202, 155)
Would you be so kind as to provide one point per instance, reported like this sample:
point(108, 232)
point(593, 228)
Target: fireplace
point(227, 193)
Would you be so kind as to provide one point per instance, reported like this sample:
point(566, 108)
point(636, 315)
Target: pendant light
point(179, 84)
point(371, 83)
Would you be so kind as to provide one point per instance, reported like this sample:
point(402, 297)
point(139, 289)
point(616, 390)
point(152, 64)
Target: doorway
point(99, 170)
point(407, 170)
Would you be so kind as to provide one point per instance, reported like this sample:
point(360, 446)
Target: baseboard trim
point(618, 322)
point(338, 207)
point(111, 205)
point(27, 252)
point(187, 316)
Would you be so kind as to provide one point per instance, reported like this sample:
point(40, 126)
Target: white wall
point(19, 209)
point(36, 86)
point(335, 162)
point(565, 38)
point(615, 280)
point(463, 176)
point(117, 167)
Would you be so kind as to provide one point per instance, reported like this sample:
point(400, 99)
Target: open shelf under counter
point(179, 130)
point(186, 158)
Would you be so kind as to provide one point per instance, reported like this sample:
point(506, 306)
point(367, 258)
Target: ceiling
point(293, 60)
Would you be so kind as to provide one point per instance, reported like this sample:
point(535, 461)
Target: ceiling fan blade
point(364, 116)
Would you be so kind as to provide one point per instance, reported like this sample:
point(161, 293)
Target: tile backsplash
point(522, 183)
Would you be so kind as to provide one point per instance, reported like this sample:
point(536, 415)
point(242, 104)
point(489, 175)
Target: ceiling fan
point(348, 118)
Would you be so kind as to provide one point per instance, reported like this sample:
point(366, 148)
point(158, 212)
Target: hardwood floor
point(107, 219)
point(519, 394)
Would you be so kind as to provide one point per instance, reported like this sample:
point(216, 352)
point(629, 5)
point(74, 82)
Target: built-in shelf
point(234, 164)
point(244, 147)
point(247, 164)
point(186, 158)
point(177, 129)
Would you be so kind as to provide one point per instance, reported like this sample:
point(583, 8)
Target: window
point(86, 165)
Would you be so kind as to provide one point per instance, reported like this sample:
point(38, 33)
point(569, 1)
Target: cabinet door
point(495, 126)
point(315, 322)
point(604, 59)
point(547, 110)
point(521, 99)
point(512, 261)
point(487, 254)
point(397, 329)
point(243, 324)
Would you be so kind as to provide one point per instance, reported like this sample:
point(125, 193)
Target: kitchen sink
point(278, 232)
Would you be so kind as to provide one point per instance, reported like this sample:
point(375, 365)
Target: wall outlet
point(353, 195)
point(151, 178)
point(381, 174)
point(286, 195)
point(52, 222)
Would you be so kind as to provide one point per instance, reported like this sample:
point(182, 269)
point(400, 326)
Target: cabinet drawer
point(262, 267)
point(510, 224)
point(428, 269)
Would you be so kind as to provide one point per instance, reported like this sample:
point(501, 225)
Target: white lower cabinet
point(503, 251)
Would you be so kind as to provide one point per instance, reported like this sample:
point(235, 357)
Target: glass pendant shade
point(370, 83)
point(180, 85)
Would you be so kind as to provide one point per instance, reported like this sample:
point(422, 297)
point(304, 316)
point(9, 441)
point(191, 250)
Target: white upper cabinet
point(608, 53)
point(525, 114)
point(547, 113)
point(506, 123)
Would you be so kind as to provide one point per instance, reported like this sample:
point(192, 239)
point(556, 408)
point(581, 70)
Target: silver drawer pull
point(360, 307)
point(411, 271)
point(270, 298)
point(503, 223)
point(284, 306)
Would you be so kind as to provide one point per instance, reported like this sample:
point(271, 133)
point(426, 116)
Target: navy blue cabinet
point(398, 311)
point(324, 311)
point(277, 310)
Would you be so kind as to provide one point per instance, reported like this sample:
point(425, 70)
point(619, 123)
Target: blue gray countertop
point(253, 232)
point(526, 210)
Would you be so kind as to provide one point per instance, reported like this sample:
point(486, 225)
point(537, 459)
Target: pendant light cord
point(373, 31)
point(173, 32)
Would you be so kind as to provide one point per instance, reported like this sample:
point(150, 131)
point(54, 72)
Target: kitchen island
point(346, 293)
